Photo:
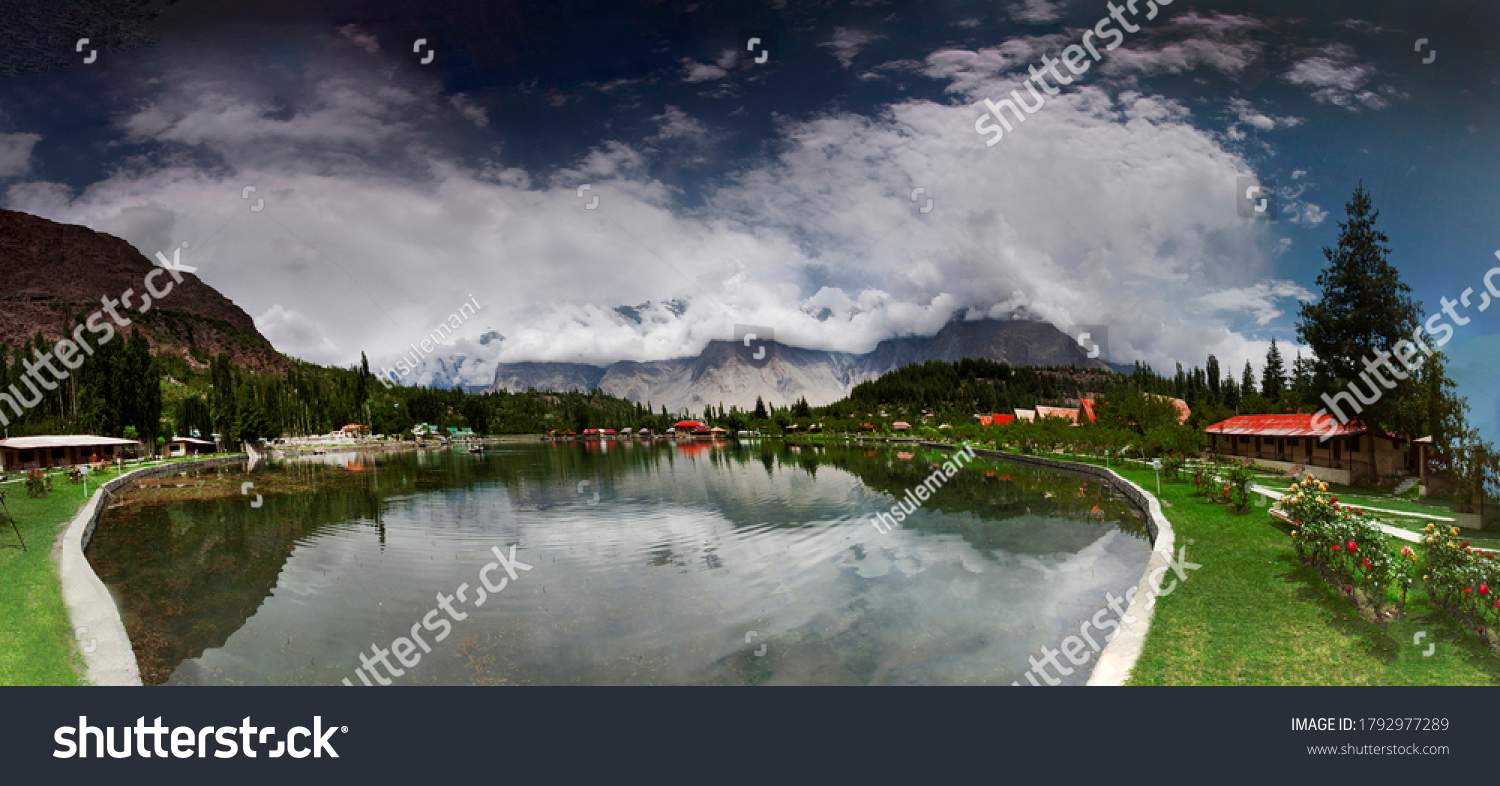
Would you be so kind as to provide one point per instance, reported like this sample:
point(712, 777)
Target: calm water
point(651, 564)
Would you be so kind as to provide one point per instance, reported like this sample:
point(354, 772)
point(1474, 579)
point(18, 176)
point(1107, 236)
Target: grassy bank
point(36, 636)
point(1255, 615)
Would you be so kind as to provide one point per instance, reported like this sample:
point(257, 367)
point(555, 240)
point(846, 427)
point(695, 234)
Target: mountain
point(50, 272)
point(725, 372)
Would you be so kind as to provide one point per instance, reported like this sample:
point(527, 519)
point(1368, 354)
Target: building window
point(1354, 444)
point(28, 455)
point(1244, 440)
point(58, 454)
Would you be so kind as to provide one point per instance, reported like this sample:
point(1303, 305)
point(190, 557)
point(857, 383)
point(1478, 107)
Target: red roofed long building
point(1285, 441)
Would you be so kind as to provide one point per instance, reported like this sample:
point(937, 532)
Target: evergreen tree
point(1364, 311)
point(1247, 382)
point(760, 409)
point(1273, 376)
point(1302, 380)
point(221, 398)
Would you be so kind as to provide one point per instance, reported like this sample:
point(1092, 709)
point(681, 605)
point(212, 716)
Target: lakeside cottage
point(1287, 441)
point(23, 453)
point(189, 446)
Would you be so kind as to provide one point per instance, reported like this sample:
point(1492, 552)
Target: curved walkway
point(107, 654)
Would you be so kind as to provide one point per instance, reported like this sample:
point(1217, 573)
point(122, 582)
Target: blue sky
point(774, 193)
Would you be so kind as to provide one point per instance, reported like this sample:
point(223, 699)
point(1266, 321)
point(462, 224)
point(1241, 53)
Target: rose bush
point(1459, 577)
point(1340, 540)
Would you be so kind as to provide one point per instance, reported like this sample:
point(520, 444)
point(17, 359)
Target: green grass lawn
point(36, 637)
point(1254, 615)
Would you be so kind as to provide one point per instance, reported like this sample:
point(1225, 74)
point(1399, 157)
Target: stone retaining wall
point(1121, 653)
point(107, 653)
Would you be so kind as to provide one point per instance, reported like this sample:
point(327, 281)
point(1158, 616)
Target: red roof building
point(1297, 440)
point(1057, 412)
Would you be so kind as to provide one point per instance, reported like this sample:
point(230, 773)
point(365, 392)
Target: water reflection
point(654, 563)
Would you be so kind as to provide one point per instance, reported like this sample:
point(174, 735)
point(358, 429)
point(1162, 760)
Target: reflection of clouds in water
point(660, 582)
point(915, 600)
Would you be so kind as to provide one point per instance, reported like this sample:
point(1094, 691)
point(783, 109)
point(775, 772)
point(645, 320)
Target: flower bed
point(1462, 580)
point(1344, 545)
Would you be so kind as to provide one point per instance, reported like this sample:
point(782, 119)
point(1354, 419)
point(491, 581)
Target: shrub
point(1460, 578)
point(1342, 541)
point(1239, 480)
point(37, 484)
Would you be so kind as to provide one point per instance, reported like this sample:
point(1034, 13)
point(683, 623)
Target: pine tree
point(1247, 382)
point(1273, 376)
point(760, 409)
point(1302, 380)
point(1364, 311)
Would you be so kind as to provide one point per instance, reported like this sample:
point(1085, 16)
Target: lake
point(649, 564)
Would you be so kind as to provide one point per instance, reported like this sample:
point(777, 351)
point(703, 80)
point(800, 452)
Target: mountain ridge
point(51, 272)
point(727, 374)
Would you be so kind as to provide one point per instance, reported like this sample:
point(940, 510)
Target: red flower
point(1484, 589)
point(1348, 588)
point(1335, 499)
point(1336, 547)
point(1352, 547)
point(1367, 563)
point(1466, 589)
point(1466, 544)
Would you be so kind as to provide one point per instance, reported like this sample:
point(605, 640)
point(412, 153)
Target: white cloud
point(471, 111)
point(674, 124)
point(1035, 11)
point(1262, 299)
point(846, 44)
point(1246, 114)
point(297, 335)
point(1334, 77)
point(371, 233)
point(1306, 214)
point(15, 153)
point(693, 71)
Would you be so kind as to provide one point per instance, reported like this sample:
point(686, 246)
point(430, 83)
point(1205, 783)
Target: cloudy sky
point(780, 193)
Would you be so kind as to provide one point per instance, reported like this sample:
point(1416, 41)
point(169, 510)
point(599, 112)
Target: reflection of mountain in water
point(681, 541)
point(994, 505)
point(189, 573)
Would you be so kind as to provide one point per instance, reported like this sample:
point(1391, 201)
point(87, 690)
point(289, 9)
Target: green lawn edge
point(37, 645)
point(1255, 615)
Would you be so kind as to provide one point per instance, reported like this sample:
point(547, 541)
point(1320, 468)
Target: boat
point(476, 449)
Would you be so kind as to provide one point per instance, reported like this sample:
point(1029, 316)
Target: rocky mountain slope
point(50, 272)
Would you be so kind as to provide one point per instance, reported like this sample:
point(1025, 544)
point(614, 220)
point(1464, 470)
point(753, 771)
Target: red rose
point(1484, 589)
point(1466, 544)
point(1466, 589)
point(1353, 547)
